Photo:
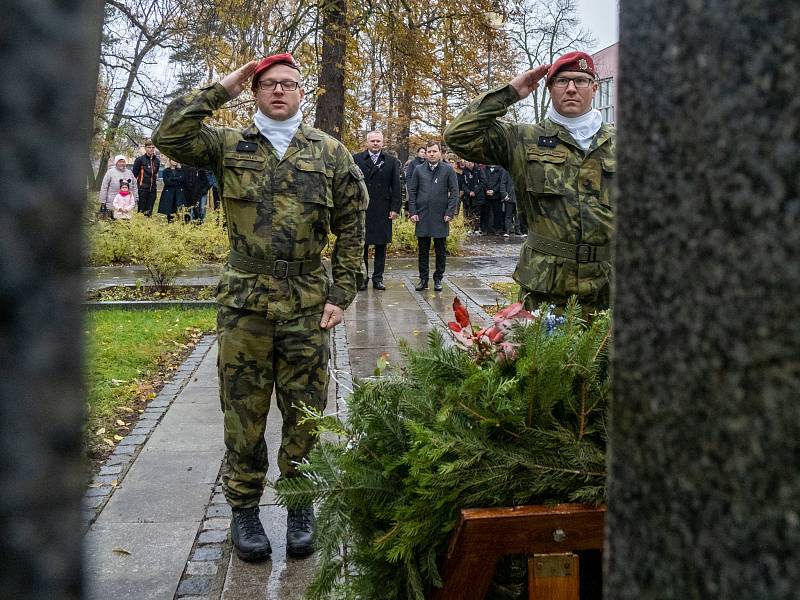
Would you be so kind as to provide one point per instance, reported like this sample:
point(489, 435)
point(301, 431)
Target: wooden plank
point(485, 534)
point(545, 584)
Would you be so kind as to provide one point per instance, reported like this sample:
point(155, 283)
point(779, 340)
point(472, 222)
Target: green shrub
point(405, 242)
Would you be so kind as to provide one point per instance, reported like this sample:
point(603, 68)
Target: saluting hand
point(239, 80)
point(528, 81)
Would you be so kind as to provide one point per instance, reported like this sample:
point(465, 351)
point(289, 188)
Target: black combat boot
point(364, 284)
point(422, 285)
point(378, 284)
point(249, 539)
point(437, 285)
point(300, 531)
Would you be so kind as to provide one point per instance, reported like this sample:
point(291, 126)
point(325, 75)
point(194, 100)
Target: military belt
point(582, 253)
point(281, 269)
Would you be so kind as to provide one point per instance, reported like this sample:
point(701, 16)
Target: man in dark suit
point(382, 176)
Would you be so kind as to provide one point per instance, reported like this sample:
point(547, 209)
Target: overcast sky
point(601, 17)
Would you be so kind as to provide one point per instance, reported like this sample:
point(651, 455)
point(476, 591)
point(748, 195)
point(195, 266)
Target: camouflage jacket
point(276, 209)
point(563, 193)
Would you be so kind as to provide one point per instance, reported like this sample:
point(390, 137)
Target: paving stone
point(110, 470)
point(104, 480)
point(207, 553)
point(219, 510)
point(142, 430)
point(133, 440)
point(92, 501)
point(195, 585)
point(98, 491)
point(204, 567)
point(124, 450)
point(157, 502)
point(213, 536)
point(158, 403)
point(216, 523)
point(118, 459)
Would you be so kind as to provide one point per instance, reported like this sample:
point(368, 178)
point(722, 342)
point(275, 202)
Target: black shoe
point(437, 285)
point(300, 531)
point(249, 539)
point(378, 284)
point(422, 285)
point(364, 284)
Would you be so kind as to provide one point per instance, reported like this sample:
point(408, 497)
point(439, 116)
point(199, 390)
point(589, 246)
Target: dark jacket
point(145, 169)
point(432, 194)
point(383, 184)
point(508, 183)
point(471, 180)
point(196, 185)
point(411, 165)
point(494, 180)
point(173, 195)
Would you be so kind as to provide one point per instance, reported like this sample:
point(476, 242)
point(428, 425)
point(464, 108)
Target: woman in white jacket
point(110, 186)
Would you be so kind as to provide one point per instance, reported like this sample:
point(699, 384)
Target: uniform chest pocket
point(312, 182)
point(242, 176)
point(608, 186)
point(545, 173)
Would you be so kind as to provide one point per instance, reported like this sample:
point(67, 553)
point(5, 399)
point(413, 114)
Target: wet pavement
point(162, 530)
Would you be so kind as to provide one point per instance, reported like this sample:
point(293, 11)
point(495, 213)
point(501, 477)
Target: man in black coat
point(470, 183)
point(145, 169)
point(432, 204)
point(382, 176)
point(494, 192)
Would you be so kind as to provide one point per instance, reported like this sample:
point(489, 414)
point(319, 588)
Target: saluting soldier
point(285, 186)
point(563, 170)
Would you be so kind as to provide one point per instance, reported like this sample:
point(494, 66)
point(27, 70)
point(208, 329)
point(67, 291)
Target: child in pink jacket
point(123, 202)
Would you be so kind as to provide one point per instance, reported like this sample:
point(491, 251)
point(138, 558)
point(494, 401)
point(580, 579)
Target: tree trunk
point(330, 105)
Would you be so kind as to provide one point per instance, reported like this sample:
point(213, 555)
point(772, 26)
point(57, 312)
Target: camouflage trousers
point(256, 353)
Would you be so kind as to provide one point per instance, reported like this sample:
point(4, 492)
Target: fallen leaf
point(108, 441)
point(100, 431)
point(121, 423)
point(118, 438)
point(119, 550)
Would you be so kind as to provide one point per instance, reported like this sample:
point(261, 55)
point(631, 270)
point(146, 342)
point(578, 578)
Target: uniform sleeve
point(350, 199)
point(181, 134)
point(476, 133)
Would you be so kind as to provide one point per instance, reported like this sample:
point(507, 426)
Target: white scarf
point(582, 129)
point(279, 133)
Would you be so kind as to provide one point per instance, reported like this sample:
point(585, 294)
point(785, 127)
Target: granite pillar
point(704, 471)
point(48, 66)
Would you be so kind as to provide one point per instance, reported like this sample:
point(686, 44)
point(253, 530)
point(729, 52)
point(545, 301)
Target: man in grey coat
point(432, 204)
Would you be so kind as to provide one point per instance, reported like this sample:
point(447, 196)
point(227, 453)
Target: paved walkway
point(157, 523)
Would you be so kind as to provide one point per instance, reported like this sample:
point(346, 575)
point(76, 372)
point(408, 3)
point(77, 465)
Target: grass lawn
point(509, 290)
point(130, 354)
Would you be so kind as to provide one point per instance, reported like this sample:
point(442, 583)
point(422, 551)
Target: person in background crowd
point(564, 169)
point(494, 192)
point(382, 176)
point(196, 187)
point(414, 162)
point(123, 202)
point(511, 219)
point(109, 188)
point(470, 184)
point(173, 196)
point(212, 181)
point(432, 204)
point(145, 170)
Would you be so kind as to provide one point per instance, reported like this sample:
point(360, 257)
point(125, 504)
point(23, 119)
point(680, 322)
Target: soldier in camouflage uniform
point(285, 186)
point(563, 170)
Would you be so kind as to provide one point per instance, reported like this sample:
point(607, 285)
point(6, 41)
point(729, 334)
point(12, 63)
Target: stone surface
point(207, 553)
point(705, 434)
point(195, 585)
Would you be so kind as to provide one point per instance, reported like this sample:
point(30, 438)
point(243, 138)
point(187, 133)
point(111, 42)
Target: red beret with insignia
point(275, 59)
point(572, 61)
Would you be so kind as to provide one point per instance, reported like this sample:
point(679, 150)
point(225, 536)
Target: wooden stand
point(547, 534)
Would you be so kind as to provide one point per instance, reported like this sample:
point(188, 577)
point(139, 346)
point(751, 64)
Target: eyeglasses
point(270, 86)
point(581, 83)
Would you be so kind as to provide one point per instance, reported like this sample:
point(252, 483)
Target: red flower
point(462, 316)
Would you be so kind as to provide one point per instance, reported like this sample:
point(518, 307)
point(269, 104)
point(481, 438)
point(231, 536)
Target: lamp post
point(495, 22)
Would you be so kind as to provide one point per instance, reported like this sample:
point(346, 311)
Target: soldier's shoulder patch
point(356, 172)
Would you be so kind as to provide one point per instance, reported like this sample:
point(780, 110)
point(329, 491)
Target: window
point(604, 100)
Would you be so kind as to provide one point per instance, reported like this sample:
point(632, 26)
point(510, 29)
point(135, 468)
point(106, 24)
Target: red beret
point(572, 61)
point(275, 59)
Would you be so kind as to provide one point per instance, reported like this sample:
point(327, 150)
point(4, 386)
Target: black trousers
point(487, 217)
point(439, 245)
point(147, 198)
point(379, 263)
point(512, 219)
